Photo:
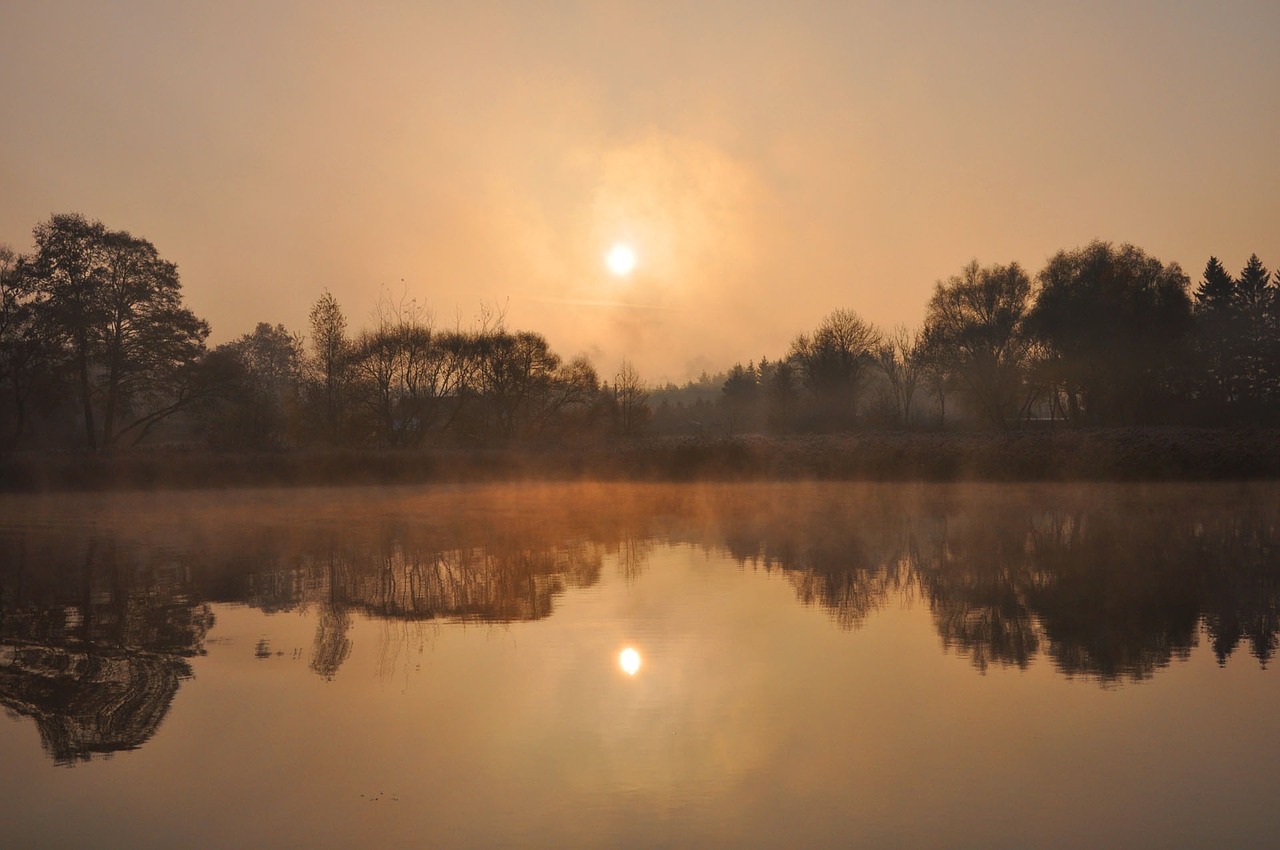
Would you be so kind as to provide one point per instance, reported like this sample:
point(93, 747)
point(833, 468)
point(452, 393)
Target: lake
point(642, 665)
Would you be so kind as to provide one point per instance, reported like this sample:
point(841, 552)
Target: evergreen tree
point(1254, 285)
point(1217, 290)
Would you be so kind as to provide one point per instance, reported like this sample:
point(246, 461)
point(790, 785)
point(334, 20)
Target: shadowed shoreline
point(1129, 454)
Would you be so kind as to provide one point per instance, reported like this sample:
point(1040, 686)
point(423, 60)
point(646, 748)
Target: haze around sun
point(768, 163)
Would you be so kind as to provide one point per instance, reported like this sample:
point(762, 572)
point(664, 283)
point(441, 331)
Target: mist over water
point(459, 647)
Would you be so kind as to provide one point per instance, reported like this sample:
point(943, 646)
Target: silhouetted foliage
point(409, 377)
point(523, 387)
point(630, 401)
point(329, 367)
point(740, 399)
point(94, 340)
point(832, 362)
point(111, 311)
point(976, 326)
point(260, 383)
point(27, 351)
point(901, 359)
point(1116, 325)
point(1217, 290)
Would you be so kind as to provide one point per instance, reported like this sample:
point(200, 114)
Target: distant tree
point(740, 398)
point(690, 408)
point(900, 357)
point(260, 387)
point(1217, 341)
point(832, 363)
point(1217, 290)
point(780, 386)
point(26, 350)
point(525, 386)
point(114, 309)
point(1258, 329)
point(1254, 285)
point(778, 394)
point(408, 376)
point(1115, 324)
point(631, 400)
point(937, 373)
point(330, 364)
point(975, 323)
point(1237, 338)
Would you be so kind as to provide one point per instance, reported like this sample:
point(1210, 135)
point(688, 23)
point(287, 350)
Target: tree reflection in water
point(1108, 583)
point(93, 641)
point(1108, 591)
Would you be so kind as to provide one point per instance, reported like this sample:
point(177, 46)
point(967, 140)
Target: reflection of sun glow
point(629, 661)
point(621, 260)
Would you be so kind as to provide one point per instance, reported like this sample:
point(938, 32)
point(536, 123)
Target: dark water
point(819, 665)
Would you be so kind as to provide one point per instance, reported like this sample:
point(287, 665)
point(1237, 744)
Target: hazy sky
point(768, 161)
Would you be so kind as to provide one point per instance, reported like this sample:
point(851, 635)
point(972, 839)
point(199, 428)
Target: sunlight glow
point(629, 661)
point(621, 259)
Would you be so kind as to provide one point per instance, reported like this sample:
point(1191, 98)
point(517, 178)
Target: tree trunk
point(85, 395)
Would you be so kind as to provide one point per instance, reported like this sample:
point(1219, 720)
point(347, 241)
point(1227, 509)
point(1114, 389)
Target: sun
point(629, 661)
point(621, 259)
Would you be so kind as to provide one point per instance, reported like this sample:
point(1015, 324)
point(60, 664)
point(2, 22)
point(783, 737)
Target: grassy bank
point(1066, 455)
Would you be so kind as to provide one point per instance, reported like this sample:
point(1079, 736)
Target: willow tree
point(1116, 324)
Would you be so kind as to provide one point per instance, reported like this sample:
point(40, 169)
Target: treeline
point(1102, 336)
point(97, 350)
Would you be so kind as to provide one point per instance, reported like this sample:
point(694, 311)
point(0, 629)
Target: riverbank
point(1147, 454)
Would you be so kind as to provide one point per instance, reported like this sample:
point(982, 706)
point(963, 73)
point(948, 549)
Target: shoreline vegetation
point(1107, 364)
point(1046, 455)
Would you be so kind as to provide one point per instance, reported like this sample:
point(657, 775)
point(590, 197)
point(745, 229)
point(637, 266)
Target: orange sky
point(768, 161)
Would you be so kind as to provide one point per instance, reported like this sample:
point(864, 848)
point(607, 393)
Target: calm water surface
point(819, 665)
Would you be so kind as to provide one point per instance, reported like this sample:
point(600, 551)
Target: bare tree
point(900, 357)
point(832, 362)
point(631, 400)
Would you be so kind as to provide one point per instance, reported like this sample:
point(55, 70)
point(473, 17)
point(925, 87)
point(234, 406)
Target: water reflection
point(97, 618)
point(93, 641)
point(1110, 590)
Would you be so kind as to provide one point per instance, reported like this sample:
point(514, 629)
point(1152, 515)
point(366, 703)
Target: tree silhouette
point(1115, 323)
point(115, 308)
point(261, 387)
point(631, 400)
point(1259, 372)
point(1217, 342)
point(901, 358)
point(975, 323)
point(1217, 289)
point(330, 364)
point(740, 398)
point(26, 350)
point(832, 362)
point(404, 373)
point(525, 386)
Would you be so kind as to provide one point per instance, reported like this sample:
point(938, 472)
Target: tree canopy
point(110, 309)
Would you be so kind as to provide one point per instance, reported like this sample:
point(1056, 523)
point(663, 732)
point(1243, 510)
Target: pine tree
point(1257, 367)
point(1254, 285)
point(1218, 289)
